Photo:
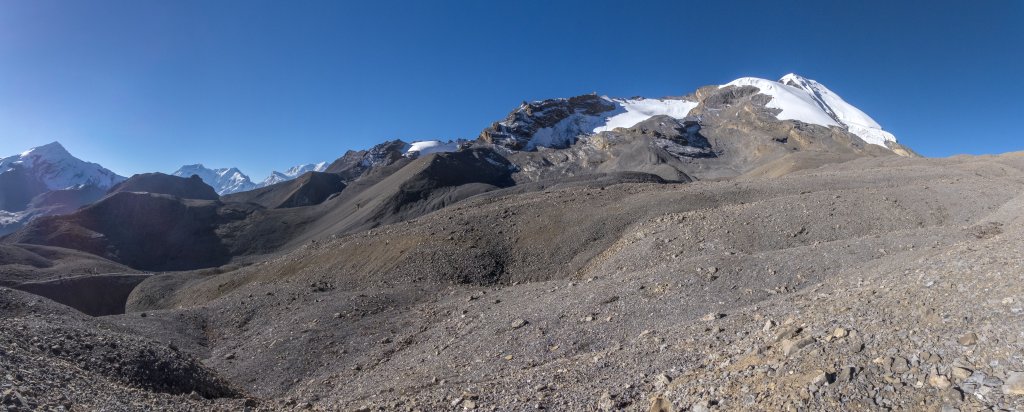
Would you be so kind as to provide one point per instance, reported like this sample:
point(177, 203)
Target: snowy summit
point(57, 169)
point(808, 101)
point(296, 171)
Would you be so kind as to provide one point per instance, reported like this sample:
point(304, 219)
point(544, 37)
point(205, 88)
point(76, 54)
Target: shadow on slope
point(309, 189)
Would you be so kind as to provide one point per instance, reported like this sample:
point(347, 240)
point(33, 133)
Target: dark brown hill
point(142, 230)
point(309, 189)
point(186, 188)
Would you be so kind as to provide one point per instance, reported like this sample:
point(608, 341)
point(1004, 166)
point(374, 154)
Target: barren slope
point(710, 294)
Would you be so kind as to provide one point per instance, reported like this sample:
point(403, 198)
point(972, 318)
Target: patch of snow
point(857, 122)
point(425, 147)
point(627, 113)
point(794, 103)
point(808, 101)
point(9, 218)
point(634, 111)
point(566, 131)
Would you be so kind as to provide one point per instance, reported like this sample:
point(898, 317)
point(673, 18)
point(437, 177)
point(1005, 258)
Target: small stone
point(518, 323)
point(819, 379)
point(787, 333)
point(195, 396)
point(839, 333)
point(939, 381)
point(712, 316)
point(790, 347)
point(847, 374)
point(992, 382)
point(606, 403)
point(229, 356)
point(1014, 384)
point(768, 325)
point(662, 380)
point(660, 404)
point(899, 365)
point(961, 373)
point(953, 395)
point(338, 315)
point(968, 339)
point(468, 405)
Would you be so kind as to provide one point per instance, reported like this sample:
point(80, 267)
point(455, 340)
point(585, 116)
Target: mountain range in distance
point(48, 180)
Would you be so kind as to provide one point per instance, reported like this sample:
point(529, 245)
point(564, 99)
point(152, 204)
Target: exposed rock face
point(681, 138)
point(354, 163)
point(517, 130)
point(187, 188)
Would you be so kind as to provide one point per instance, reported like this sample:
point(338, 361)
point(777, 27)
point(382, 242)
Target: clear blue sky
point(142, 85)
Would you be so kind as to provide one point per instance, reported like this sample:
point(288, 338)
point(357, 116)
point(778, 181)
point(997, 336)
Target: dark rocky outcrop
point(519, 127)
point(354, 164)
point(188, 188)
point(142, 230)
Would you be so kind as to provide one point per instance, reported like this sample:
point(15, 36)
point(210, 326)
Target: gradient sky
point(142, 85)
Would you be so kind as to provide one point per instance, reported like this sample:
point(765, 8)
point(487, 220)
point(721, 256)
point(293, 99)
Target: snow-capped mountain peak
point(57, 169)
point(808, 101)
point(856, 121)
point(230, 180)
point(224, 180)
point(293, 172)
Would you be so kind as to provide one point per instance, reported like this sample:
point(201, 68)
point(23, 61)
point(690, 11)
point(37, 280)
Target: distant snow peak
point(224, 181)
point(230, 180)
point(293, 172)
point(56, 168)
point(808, 101)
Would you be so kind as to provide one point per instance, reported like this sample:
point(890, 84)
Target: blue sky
point(142, 85)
